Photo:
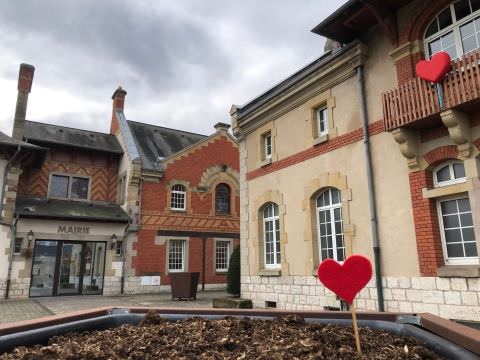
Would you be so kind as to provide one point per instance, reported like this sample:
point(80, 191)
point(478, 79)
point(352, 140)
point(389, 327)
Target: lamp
point(30, 237)
point(114, 241)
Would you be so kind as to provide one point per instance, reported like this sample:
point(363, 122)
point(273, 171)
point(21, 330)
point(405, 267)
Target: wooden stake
point(355, 328)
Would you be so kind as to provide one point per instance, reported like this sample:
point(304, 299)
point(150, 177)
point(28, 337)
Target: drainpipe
point(371, 189)
point(124, 248)
point(10, 256)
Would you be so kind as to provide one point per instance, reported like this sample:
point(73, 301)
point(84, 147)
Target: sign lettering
point(69, 229)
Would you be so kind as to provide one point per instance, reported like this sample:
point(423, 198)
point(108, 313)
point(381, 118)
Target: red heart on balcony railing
point(435, 69)
point(347, 279)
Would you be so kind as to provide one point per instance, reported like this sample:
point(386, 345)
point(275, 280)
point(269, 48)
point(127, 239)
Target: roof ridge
point(68, 127)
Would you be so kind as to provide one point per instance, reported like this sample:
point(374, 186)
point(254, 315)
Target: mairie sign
point(69, 229)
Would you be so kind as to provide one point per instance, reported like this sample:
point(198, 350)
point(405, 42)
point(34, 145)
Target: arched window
point(456, 29)
point(178, 195)
point(452, 172)
point(271, 236)
point(330, 225)
point(222, 199)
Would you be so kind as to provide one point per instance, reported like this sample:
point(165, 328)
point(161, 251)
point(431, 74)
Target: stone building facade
point(352, 154)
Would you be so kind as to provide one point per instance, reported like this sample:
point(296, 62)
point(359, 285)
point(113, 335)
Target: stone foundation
point(19, 288)
point(451, 298)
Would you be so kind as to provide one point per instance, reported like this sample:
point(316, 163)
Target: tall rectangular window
point(69, 187)
point(322, 121)
point(176, 255)
point(457, 232)
point(17, 246)
point(119, 248)
point(222, 255)
point(267, 145)
point(122, 189)
point(271, 236)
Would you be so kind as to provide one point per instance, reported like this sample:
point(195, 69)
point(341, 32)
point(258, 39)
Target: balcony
point(416, 99)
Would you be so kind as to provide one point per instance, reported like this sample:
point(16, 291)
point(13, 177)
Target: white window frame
point(331, 209)
point(229, 253)
point(452, 180)
point(119, 248)
point(318, 113)
point(474, 260)
point(184, 255)
point(267, 145)
point(273, 219)
point(122, 188)
point(177, 193)
point(455, 27)
point(69, 187)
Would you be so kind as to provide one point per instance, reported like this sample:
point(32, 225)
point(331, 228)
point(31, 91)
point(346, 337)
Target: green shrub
point(233, 275)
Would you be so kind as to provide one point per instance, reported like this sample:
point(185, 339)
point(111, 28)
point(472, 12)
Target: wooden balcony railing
point(416, 99)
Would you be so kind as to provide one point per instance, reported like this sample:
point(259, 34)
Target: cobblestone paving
point(24, 309)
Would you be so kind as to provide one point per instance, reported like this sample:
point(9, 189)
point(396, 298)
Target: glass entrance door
point(94, 267)
point(70, 268)
point(43, 268)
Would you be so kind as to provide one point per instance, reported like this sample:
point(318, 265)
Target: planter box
point(27, 333)
point(184, 285)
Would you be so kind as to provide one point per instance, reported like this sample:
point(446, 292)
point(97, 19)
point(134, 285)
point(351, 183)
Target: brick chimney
point(25, 79)
point(118, 98)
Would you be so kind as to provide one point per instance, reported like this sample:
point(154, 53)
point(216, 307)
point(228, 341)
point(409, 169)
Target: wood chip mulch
point(231, 338)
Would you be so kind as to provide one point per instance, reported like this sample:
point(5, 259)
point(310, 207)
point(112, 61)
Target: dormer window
point(456, 29)
point(449, 173)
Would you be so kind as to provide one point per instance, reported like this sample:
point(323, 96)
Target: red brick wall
point(199, 215)
point(427, 230)
point(406, 67)
point(100, 167)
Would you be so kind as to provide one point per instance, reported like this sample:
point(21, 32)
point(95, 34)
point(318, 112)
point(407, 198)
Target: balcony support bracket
point(458, 125)
point(408, 141)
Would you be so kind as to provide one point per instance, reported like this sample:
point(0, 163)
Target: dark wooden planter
point(184, 285)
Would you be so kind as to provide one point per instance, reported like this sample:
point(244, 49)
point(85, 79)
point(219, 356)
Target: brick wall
point(200, 213)
point(101, 168)
point(406, 67)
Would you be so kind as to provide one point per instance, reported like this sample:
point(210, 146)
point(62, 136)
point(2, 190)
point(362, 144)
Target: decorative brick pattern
point(155, 220)
point(333, 144)
point(406, 67)
point(440, 154)
point(427, 230)
point(103, 179)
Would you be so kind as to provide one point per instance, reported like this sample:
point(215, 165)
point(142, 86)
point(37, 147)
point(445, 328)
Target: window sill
point(465, 271)
point(270, 272)
point(265, 162)
point(320, 139)
point(179, 210)
point(221, 272)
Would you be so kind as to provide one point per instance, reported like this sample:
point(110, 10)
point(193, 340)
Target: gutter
point(371, 189)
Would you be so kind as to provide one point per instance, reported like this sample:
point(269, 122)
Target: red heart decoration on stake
point(435, 69)
point(347, 279)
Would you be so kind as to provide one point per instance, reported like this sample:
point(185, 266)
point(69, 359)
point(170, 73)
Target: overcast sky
point(183, 62)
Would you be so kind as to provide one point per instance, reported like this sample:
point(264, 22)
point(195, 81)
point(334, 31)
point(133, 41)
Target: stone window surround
point(167, 250)
point(264, 130)
point(323, 100)
point(472, 173)
point(215, 175)
point(257, 236)
point(315, 187)
point(186, 184)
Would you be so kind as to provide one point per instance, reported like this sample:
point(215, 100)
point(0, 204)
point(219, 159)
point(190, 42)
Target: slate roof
point(41, 133)
point(154, 143)
point(9, 141)
point(41, 207)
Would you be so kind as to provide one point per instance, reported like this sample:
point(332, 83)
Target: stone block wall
point(451, 298)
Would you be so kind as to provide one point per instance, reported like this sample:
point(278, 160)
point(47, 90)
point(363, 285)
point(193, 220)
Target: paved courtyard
point(24, 309)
